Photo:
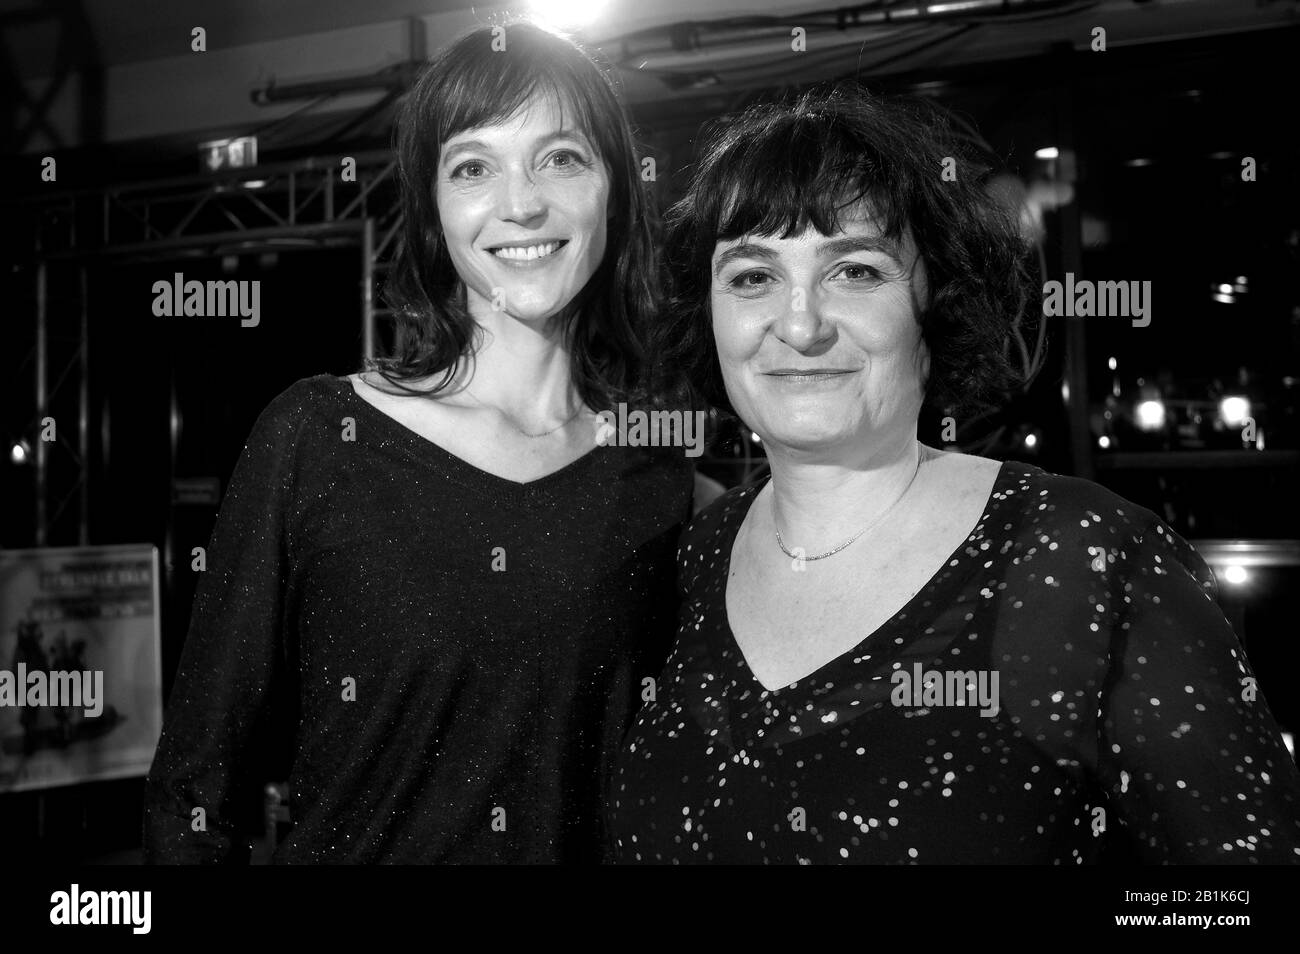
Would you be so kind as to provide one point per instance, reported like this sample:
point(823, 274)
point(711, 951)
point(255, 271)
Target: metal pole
point(83, 416)
point(42, 359)
point(368, 290)
point(1076, 337)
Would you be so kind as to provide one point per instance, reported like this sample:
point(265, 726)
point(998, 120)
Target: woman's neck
point(816, 503)
point(523, 370)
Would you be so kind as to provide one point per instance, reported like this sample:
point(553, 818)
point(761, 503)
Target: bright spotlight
point(1151, 415)
point(18, 452)
point(1103, 442)
point(1235, 573)
point(1234, 410)
point(1031, 440)
point(754, 435)
point(568, 13)
point(1047, 152)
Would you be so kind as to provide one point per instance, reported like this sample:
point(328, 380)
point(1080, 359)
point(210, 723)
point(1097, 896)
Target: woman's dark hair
point(482, 79)
point(777, 168)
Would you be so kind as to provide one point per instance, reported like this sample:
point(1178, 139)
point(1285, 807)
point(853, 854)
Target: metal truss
point(267, 208)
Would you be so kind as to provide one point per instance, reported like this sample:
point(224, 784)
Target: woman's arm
point(1190, 755)
point(198, 780)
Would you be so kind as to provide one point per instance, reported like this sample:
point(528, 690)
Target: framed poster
point(80, 666)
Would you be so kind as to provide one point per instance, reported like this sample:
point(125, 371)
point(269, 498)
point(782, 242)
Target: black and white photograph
point(680, 432)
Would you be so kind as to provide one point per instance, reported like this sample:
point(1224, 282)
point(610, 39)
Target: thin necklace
point(835, 550)
point(510, 420)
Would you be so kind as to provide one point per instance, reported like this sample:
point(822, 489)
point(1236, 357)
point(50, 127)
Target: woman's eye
point(469, 170)
point(566, 159)
point(856, 272)
point(750, 280)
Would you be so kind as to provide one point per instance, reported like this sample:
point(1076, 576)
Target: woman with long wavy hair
point(436, 563)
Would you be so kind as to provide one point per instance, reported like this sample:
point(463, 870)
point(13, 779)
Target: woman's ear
point(923, 363)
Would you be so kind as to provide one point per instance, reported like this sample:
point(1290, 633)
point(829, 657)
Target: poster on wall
point(80, 666)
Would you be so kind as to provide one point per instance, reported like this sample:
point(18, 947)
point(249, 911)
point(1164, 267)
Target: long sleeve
point(1189, 753)
point(229, 658)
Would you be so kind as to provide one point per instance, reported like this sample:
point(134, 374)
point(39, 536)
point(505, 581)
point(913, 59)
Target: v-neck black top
point(460, 653)
point(1127, 723)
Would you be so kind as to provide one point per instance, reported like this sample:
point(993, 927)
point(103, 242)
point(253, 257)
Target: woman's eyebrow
point(478, 145)
point(849, 244)
point(845, 245)
point(743, 250)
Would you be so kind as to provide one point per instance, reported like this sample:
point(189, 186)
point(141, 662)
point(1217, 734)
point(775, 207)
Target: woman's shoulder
point(1079, 521)
point(1063, 500)
point(307, 404)
point(305, 398)
point(706, 540)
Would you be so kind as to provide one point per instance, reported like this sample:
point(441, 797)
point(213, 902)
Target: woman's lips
point(524, 254)
point(810, 374)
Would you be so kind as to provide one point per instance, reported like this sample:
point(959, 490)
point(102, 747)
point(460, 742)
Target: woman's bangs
point(791, 179)
point(503, 92)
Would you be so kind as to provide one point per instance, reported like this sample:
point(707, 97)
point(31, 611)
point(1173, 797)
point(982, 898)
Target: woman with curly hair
point(889, 653)
point(452, 589)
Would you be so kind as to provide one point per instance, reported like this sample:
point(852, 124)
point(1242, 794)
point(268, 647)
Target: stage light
point(1112, 364)
point(1151, 415)
point(1223, 292)
point(1047, 152)
point(1289, 741)
point(1235, 574)
point(1233, 410)
point(568, 13)
point(20, 452)
point(754, 436)
point(1103, 442)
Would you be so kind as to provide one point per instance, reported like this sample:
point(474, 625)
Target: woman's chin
point(538, 311)
point(809, 436)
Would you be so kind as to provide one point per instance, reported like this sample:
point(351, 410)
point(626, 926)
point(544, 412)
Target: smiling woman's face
point(818, 337)
point(523, 210)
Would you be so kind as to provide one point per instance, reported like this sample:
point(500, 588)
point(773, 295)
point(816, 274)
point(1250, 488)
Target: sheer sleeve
point(228, 660)
point(1189, 754)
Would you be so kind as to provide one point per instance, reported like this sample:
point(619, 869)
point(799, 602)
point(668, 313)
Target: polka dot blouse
point(1125, 725)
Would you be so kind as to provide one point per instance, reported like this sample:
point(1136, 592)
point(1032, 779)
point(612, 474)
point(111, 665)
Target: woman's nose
point(520, 198)
point(801, 324)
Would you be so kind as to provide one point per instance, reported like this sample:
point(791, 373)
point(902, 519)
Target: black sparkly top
point(459, 654)
point(1127, 713)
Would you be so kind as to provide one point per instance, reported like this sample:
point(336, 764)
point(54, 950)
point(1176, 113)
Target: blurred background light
point(568, 13)
point(1235, 574)
point(1151, 415)
point(1234, 409)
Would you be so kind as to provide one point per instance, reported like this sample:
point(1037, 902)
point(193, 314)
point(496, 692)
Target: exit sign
point(240, 153)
